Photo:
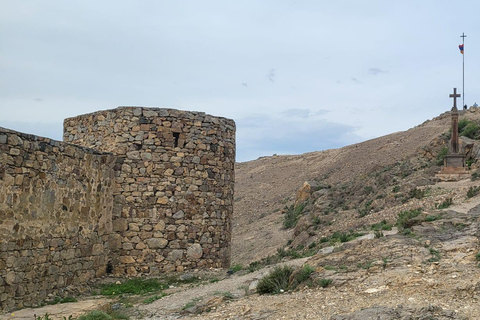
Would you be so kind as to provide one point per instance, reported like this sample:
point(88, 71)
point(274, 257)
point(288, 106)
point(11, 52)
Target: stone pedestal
point(454, 168)
point(454, 160)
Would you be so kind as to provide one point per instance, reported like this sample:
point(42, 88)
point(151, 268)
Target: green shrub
point(236, 268)
point(133, 286)
point(304, 273)
point(367, 190)
point(431, 218)
point(472, 192)
point(405, 217)
point(324, 282)
point(396, 189)
point(96, 315)
point(445, 204)
point(475, 176)
point(470, 130)
point(416, 193)
point(477, 256)
point(276, 281)
point(383, 225)
point(441, 155)
point(435, 255)
point(462, 124)
point(292, 215)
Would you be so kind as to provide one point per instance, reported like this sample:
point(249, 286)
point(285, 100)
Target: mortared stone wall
point(56, 202)
point(174, 185)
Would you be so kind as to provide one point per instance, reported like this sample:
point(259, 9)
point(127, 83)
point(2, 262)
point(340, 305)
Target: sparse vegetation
point(133, 286)
point(441, 156)
point(154, 298)
point(383, 225)
point(324, 282)
point(416, 193)
point(435, 255)
point(472, 192)
point(276, 281)
point(191, 303)
point(445, 204)
point(470, 130)
point(236, 268)
point(292, 215)
point(404, 219)
point(475, 175)
point(431, 218)
point(285, 278)
point(96, 315)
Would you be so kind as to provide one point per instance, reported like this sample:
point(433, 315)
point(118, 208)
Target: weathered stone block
point(156, 243)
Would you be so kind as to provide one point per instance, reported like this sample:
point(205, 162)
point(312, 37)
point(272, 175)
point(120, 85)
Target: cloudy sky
point(296, 76)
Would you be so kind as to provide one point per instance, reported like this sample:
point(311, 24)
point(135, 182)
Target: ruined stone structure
point(56, 203)
point(131, 191)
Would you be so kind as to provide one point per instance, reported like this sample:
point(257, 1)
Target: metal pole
point(463, 69)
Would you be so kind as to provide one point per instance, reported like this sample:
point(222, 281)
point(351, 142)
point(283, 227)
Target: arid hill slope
point(264, 186)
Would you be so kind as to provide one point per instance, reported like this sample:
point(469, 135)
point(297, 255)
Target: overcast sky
point(296, 76)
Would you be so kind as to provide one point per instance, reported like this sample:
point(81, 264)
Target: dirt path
point(236, 286)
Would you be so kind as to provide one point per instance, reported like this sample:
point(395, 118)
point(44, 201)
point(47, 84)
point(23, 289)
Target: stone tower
point(173, 198)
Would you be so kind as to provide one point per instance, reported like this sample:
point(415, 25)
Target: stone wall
point(174, 185)
point(56, 201)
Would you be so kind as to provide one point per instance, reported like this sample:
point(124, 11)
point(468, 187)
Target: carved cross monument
point(454, 148)
point(454, 163)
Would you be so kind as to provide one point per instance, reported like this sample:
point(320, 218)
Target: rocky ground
point(432, 273)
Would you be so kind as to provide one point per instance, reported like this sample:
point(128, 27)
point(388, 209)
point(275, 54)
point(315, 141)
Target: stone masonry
point(130, 191)
point(174, 185)
point(56, 203)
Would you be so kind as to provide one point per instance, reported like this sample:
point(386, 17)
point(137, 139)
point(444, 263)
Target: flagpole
point(463, 68)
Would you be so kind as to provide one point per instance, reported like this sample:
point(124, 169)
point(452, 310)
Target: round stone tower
point(174, 186)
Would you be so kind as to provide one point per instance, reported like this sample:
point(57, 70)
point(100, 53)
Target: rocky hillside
point(347, 188)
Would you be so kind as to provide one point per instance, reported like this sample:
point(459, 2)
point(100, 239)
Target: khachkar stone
point(174, 185)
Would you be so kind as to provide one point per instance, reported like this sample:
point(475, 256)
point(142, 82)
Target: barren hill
point(266, 185)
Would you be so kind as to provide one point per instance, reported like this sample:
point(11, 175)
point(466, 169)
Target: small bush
point(396, 189)
point(96, 315)
point(472, 192)
point(445, 204)
point(276, 281)
point(367, 190)
point(236, 268)
point(431, 218)
point(462, 124)
point(383, 225)
point(435, 255)
point(416, 193)
point(325, 282)
point(405, 217)
point(292, 215)
point(470, 130)
point(477, 256)
point(475, 176)
point(441, 155)
point(304, 273)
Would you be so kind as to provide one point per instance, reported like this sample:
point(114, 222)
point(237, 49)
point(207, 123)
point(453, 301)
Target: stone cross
point(455, 142)
point(455, 95)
